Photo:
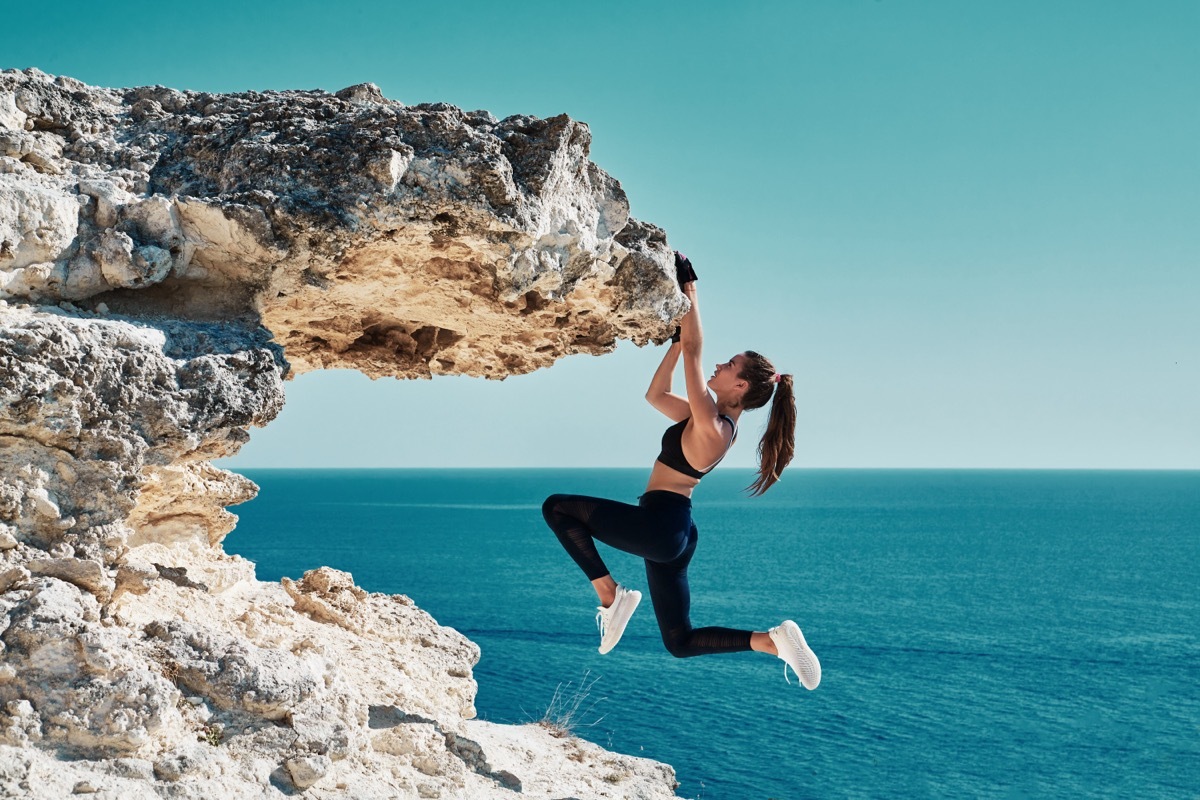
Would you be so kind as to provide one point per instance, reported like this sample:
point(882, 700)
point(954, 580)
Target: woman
point(660, 529)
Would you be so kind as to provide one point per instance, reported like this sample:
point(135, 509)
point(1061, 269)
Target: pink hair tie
point(776, 378)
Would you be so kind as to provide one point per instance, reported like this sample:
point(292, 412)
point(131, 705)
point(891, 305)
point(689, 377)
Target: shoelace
point(602, 618)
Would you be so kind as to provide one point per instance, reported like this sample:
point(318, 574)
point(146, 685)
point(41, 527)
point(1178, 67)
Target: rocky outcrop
point(364, 234)
point(167, 260)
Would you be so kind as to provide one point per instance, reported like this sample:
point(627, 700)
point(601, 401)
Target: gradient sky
point(971, 230)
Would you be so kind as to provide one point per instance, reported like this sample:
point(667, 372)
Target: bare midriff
point(665, 479)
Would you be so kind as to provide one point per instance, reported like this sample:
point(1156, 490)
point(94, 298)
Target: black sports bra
point(672, 449)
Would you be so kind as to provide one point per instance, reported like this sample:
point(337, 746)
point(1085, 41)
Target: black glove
point(683, 269)
point(678, 332)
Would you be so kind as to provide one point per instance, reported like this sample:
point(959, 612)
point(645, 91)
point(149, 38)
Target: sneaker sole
point(810, 677)
point(619, 628)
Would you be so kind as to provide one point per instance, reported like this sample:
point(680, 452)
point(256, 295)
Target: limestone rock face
point(167, 260)
point(364, 234)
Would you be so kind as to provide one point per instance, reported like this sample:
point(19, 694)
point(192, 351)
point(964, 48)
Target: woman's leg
point(672, 606)
point(655, 535)
point(760, 641)
point(568, 516)
point(580, 521)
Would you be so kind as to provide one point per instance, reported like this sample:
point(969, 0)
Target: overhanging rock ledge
point(167, 260)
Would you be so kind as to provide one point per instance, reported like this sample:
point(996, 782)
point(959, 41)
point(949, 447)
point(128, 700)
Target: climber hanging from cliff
point(660, 529)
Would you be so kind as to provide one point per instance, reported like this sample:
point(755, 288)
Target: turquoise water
point(982, 633)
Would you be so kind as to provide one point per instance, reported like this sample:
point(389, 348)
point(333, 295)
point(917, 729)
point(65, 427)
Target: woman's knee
point(551, 505)
point(677, 645)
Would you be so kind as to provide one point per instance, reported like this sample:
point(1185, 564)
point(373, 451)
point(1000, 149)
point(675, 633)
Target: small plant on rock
point(213, 734)
point(570, 706)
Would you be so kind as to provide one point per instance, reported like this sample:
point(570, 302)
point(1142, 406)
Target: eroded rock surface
point(365, 234)
point(167, 260)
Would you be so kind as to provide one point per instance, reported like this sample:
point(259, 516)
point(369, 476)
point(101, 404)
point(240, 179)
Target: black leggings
point(660, 530)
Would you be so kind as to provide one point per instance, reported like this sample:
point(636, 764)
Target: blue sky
point(970, 229)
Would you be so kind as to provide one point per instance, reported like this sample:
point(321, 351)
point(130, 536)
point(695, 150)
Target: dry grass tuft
point(570, 707)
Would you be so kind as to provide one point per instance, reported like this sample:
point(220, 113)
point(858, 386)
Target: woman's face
point(725, 380)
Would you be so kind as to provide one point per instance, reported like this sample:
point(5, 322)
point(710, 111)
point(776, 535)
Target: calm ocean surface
point(982, 633)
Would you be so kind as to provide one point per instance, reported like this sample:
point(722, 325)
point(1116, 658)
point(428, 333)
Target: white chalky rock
point(11, 117)
point(167, 259)
point(12, 576)
point(307, 770)
point(45, 503)
point(37, 223)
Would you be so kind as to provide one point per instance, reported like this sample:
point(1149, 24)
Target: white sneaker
point(796, 654)
point(612, 620)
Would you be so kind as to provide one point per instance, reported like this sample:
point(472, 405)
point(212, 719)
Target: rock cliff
point(167, 260)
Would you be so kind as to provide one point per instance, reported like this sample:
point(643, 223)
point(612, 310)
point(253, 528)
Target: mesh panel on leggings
point(687, 642)
point(568, 516)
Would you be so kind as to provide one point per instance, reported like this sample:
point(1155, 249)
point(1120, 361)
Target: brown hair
point(778, 444)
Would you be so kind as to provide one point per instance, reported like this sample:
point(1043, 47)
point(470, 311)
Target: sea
point(994, 634)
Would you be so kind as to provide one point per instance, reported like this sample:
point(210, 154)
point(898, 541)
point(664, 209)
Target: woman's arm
point(701, 404)
point(660, 395)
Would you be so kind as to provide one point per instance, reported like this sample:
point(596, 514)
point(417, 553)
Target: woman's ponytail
point(778, 444)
